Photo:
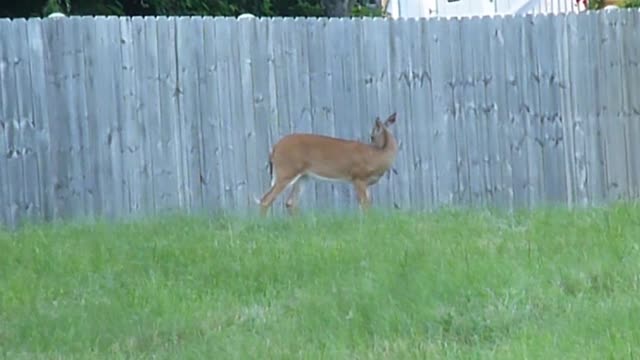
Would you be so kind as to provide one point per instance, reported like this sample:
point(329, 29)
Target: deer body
point(298, 157)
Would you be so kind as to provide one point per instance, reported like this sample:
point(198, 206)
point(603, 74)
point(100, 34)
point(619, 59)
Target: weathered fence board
point(402, 69)
point(9, 165)
point(569, 137)
point(40, 117)
point(612, 110)
point(110, 116)
point(213, 189)
point(321, 101)
point(444, 167)
point(25, 139)
point(472, 121)
point(631, 59)
point(420, 81)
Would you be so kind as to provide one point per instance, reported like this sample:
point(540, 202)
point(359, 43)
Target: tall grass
point(549, 284)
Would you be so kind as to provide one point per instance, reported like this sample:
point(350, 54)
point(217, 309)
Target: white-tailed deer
point(297, 157)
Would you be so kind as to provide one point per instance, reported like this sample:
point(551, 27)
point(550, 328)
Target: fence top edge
point(456, 18)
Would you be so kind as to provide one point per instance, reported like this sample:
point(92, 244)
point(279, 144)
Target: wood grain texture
point(114, 117)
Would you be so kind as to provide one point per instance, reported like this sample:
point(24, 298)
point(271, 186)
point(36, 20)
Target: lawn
point(549, 284)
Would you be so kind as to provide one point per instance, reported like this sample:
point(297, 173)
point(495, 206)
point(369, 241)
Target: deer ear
point(378, 122)
point(391, 119)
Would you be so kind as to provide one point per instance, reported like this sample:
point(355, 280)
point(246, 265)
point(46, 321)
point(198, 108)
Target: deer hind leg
point(279, 185)
point(294, 195)
point(363, 194)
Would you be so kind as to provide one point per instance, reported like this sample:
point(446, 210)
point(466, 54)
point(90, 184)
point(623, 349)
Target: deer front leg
point(363, 194)
point(270, 196)
point(294, 196)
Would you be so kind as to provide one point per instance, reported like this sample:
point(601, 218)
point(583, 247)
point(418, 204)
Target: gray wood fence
point(107, 116)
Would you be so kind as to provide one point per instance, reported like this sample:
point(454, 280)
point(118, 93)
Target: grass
point(550, 284)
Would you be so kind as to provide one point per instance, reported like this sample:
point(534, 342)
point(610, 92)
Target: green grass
point(550, 284)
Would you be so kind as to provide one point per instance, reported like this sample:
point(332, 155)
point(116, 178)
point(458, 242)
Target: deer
point(299, 156)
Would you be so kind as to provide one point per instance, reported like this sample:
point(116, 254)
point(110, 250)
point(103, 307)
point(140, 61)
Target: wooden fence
point(108, 116)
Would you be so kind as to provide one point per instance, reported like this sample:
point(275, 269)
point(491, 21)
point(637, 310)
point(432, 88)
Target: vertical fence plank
point(66, 175)
point(359, 126)
point(494, 179)
point(103, 94)
point(321, 96)
point(630, 19)
point(445, 169)
point(83, 154)
point(421, 120)
point(474, 121)
point(247, 114)
point(464, 86)
point(583, 109)
point(514, 120)
point(73, 94)
point(588, 98)
point(378, 37)
point(282, 58)
point(411, 82)
point(552, 100)
point(485, 127)
point(190, 58)
point(414, 120)
point(273, 116)
point(11, 167)
point(456, 91)
point(481, 154)
point(336, 44)
point(40, 119)
point(574, 117)
point(96, 100)
point(519, 108)
point(132, 126)
point(25, 149)
point(371, 48)
point(376, 49)
point(348, 120)
point(93, 141)
point(298, 87)
point(573, 143)
point(147, 62)
point(552, 92)
point(310, 191)
point(400, 75)
point(145, 111)
point(622, 75)
point(549, 79)
point(234, 172)
point(348, 124)
point(220, 52)
point(5, 214)
point(212, 169)
point(236, 123)
point(273, 63)
point(612, 111)
point(167, 156)
point(500, 117)
point(298, 81)
point(262, 98)
point(529, 113)
point(17, 118)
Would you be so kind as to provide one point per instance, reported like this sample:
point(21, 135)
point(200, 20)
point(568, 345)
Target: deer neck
point(390, 144)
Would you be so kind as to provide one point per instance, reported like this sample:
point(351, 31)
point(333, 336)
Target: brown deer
point(297, 157)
